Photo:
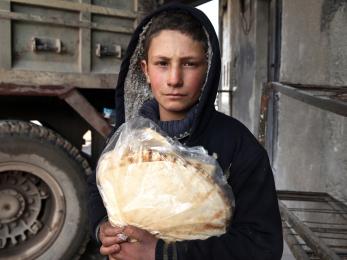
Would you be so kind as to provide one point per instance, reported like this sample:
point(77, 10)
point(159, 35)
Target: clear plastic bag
point(151, 181)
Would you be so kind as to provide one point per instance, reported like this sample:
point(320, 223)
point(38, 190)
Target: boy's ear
point(144, 68)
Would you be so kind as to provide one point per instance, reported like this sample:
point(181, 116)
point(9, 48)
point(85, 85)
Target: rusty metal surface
point(334, 92)
point(328, 98)
point(315, 224)
point(9, 89)
point(87, 111)
point(263, 114)
point(268, 119)
point(25, 78)
point(71, 95)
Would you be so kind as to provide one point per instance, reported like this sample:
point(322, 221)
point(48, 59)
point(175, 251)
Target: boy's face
point(176, 69)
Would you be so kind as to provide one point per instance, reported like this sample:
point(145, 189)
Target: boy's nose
point(175, 77)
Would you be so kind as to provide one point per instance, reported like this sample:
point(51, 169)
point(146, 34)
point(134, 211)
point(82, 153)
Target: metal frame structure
point(328, 98)
point(304, 231)
point(307, 239)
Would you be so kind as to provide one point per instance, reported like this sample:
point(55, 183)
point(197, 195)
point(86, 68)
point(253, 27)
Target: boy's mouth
point(175, 95)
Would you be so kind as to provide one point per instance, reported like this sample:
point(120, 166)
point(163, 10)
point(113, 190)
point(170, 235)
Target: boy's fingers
point(135, 233)
point(108, 230)
point(119, 255)
point(112, 240)
point(110, 250)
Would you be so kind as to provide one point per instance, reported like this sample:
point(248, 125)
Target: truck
point(59, 62)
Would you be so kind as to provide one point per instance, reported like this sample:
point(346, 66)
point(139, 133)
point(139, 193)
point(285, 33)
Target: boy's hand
point(142, 249)
point(108, 236)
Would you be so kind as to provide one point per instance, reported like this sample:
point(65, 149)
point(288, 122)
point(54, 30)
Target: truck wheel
point(42, 194)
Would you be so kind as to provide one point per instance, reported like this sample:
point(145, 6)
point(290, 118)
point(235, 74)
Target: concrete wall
point(227, 79)
point(311, 147)
point(245, 57)
point(311, 152)
point(314, 42)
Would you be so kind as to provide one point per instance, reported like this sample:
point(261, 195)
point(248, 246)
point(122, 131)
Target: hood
point(132, 89)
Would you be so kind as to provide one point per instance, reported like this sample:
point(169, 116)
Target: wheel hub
point(12, 205)
point(21, 196)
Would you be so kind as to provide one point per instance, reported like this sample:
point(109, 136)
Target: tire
point(42, 194)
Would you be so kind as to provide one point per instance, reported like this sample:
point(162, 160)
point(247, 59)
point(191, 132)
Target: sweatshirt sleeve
point(255, 231)
point(96, 209)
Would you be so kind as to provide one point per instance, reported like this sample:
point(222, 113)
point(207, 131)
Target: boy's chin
point(178, 109)
point(178, 105)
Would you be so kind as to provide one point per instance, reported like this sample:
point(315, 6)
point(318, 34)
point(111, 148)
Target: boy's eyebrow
point(160, 57)
point(181, 58)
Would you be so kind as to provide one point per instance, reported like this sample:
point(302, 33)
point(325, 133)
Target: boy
point(170, 75)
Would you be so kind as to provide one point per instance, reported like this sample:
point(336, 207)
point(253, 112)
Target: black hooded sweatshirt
point(255, 231)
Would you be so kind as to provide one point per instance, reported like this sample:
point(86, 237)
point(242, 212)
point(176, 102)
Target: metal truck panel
point(29, 39)
point(65, 39)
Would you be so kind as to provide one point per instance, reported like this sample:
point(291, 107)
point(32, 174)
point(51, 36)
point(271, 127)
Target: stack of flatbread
point(155, 187)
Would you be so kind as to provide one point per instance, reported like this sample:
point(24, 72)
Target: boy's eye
point(161, 63)
point(189, 64)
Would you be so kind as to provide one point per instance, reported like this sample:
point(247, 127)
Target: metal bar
point(338, 246)
point(224, 91)
point(271, 137)
point(87, 111)
point(325, 223)
point(278, 46)
point(78, 7)
point(334, 203)
point(275, 41)
point(85, 36)
point(313, 210)
point(31, 90)
point(62, 22)
point(263, 115)
point(70, 95)
point(293, 243)
point(314, 86)
point(322, 102)
point(302, 196)
point(270, 127)
point(267, 127)
point(329, 230)
point(26, 78)
point(316, 244)
point(5, 42)
point(335, 238)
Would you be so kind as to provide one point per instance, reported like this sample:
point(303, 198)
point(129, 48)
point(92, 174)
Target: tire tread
point(23, 128)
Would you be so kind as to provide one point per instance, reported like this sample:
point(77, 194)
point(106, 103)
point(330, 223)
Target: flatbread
point(157, 189)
